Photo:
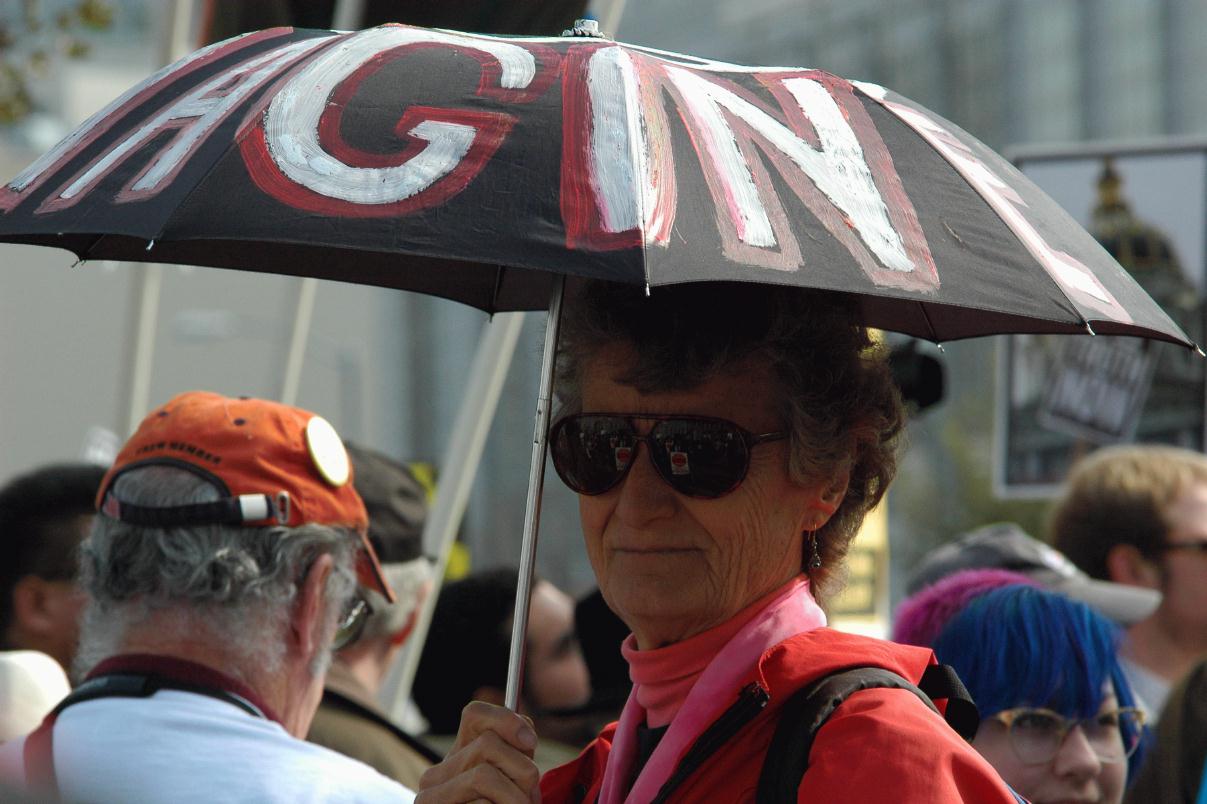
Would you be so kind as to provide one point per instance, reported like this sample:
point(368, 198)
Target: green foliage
point(32, 40)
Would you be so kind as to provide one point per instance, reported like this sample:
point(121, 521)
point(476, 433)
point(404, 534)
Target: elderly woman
point(1060, 721)
point(726, 442)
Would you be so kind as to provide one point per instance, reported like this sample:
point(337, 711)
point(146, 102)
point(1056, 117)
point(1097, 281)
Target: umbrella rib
point(934, 334)
point(494, 293)
point(87, 251)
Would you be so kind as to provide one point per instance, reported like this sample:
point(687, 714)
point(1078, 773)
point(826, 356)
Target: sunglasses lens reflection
point(697, 457)
point(350, 626)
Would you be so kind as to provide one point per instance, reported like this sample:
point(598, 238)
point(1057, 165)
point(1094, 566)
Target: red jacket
point(881, 745)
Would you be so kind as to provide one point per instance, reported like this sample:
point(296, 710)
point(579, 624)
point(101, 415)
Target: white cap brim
point(1124, 604)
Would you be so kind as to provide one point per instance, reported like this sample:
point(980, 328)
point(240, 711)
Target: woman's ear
point(832, 494)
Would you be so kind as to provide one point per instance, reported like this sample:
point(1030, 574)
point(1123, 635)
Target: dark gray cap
point(396, 502)
point(1005, 545)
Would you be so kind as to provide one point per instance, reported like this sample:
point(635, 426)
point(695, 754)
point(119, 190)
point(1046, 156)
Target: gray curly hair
point(233, 584)
point(837, 394)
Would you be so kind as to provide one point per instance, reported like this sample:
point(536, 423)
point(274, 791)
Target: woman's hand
point(490, 761)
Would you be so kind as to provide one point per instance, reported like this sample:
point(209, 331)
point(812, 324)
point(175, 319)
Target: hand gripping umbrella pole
point(532, 509)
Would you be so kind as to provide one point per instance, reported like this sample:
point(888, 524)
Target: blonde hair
point(1119, 495)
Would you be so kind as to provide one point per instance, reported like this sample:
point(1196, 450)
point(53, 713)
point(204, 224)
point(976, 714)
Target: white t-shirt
point(183, 747)
point(1150, 688)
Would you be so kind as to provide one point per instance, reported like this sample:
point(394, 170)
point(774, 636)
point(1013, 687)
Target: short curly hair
point(838, 397)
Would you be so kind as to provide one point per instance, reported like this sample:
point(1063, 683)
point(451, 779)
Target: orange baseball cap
point(274, 465)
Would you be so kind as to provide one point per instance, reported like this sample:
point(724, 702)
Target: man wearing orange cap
point(225, 565)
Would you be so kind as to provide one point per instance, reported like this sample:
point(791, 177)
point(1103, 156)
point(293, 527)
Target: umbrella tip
point(150, 244)
point(1199, 349)
point(586, 27)
point(939, 346)
point(647, 290)
point(1090, 329)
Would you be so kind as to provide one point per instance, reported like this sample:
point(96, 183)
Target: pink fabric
point(922, 616)
point(789, 611)
point(664, 676)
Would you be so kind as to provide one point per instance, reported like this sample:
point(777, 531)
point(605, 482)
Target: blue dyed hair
point(1024, 646)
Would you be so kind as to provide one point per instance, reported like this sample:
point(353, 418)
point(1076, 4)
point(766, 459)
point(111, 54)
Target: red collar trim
point(181, 670)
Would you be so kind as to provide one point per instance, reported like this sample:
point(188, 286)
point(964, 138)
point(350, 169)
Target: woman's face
point(672, 566)
point(1074, 774)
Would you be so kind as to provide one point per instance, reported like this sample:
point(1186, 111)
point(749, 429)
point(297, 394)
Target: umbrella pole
point(532, 510)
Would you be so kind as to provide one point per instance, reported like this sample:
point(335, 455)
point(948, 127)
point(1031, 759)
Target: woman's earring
point(814, 550)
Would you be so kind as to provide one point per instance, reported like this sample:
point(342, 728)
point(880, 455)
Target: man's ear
point(310, 608)
point(32, 606)
point(1125, 564)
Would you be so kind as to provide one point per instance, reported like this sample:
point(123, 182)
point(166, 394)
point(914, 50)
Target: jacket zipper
point(751, 700)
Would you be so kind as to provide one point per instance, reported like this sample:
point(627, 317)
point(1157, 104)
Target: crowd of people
point(214, 616)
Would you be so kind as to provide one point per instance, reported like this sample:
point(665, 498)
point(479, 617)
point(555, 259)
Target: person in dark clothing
point(465, 659)
point(349, 718)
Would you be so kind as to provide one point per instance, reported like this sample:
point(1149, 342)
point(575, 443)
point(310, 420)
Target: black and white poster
point(1060, 397)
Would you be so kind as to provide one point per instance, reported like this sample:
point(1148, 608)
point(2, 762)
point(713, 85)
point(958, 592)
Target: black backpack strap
point(939, 682)
point(810, 707)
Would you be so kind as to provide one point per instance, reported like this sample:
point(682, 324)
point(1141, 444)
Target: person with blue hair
point(1059, 720)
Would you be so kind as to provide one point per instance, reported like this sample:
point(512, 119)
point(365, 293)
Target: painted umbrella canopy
point(476, 168)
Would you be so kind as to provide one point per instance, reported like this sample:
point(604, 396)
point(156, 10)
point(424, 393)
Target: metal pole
point(178, 39)
point(532, 510)
point(146, 293)
point(609, 21)
point(307, 289)
point(486, 376)
point(347, 15)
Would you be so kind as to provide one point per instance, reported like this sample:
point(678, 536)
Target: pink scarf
point(789, 611)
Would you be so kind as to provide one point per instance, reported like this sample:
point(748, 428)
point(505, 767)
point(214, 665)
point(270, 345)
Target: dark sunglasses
point(697, 456)
point(352, 624)
point(1192, 547)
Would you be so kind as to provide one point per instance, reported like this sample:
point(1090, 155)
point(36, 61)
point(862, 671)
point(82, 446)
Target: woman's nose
point(1076, 756)
point(644, 495)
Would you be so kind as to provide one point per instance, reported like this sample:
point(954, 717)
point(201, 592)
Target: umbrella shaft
point(532, 510)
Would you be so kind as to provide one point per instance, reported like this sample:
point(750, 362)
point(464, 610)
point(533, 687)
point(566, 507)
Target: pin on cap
point(327, 451)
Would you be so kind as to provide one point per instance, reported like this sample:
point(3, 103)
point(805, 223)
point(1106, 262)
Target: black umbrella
point(476, 167)
point(484, 169)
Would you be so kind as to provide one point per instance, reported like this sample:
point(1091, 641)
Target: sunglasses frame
point(750, 441)
point(1190, 547)
point(351, 625)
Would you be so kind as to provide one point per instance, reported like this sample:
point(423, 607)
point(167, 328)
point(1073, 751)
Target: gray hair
point(234, 585)
point(837, 395)
point(408, 579)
